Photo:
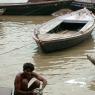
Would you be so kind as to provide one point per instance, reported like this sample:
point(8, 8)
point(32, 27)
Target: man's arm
point(42, 79)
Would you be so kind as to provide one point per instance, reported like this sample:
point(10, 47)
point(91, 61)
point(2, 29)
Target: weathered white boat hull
point(79, 24)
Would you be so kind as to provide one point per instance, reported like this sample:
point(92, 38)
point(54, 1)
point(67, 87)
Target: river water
point(68, 72)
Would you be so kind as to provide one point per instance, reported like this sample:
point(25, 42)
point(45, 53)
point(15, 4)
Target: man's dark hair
point(28, 66)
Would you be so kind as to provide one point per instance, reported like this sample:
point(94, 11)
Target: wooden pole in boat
point(91, 59)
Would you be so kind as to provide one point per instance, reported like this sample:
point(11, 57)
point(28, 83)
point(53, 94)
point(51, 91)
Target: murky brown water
point(68, 72)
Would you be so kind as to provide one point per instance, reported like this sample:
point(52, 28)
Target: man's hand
point(38, 91)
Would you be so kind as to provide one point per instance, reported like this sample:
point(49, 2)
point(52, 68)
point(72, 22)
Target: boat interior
point(62, 31)
point(70, 26)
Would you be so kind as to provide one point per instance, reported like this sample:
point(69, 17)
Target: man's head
point(29, 67)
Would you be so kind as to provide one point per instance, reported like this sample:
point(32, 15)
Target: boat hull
point(65, 31)
point(75, 5)
point(62, 44)
point(44, 8)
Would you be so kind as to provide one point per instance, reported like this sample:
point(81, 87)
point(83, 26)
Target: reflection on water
point(62, 56)
point(67, 71)
point(64, 66)
point(73, 81)
point(26, 19)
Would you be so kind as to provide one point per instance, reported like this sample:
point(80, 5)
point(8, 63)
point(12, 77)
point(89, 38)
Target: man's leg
point(35, 84)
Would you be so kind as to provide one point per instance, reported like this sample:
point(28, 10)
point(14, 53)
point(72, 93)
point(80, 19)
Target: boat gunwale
point(79, 34)
point(60, 20)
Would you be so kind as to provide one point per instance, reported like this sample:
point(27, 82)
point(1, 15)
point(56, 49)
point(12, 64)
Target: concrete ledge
point(5, 91)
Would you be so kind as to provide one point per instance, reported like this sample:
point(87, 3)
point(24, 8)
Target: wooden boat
point(32, 7)
point(78, 4)
point(91, 59)
point(65, 31)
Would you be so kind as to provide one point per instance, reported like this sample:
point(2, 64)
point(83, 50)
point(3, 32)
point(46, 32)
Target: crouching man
point(22, 80)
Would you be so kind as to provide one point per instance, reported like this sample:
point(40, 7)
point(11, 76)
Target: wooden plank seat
point(54, 36)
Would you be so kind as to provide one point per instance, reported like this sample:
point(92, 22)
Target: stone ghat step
point(5, 91)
